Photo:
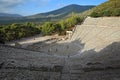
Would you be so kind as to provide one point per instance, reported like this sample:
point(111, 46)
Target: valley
point(83, 56)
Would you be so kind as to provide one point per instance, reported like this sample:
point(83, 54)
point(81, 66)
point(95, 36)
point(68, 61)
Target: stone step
point(74, 78)
point(76, 71)
point(65, 77)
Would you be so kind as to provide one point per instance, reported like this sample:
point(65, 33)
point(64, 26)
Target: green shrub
point(116, 12)
point(94, 14)
point(48, 28)
point(17, 31)
point(107, 13)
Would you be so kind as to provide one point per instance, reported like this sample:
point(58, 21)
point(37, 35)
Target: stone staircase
point(71, 72)
point(75, 72)
point(65, 72)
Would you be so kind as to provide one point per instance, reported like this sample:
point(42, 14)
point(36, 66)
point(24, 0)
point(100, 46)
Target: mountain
point(62, 12)
point(9, 15)
point(54, 15)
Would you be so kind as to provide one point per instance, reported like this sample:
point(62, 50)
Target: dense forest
point(18, 31)
point(109, 8)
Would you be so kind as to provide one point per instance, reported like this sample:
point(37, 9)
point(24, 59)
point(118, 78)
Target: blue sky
point(29, 7)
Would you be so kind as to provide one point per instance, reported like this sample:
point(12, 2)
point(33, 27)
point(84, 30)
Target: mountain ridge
point(63, 11)
point(10, 15)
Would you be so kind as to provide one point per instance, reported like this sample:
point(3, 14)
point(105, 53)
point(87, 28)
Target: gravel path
point(30, 40)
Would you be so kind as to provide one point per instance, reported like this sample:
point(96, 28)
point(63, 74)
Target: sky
point(30, 7)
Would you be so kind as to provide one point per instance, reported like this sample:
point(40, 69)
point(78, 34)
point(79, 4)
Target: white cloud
point(9, 5)
point(61, 5)
point(42, 2)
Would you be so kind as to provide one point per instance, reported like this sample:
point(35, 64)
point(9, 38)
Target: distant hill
point(6, 16)
point(9, 15)
point(62, 12)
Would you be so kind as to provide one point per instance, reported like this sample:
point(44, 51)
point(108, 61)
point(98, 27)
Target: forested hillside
point(109, 8)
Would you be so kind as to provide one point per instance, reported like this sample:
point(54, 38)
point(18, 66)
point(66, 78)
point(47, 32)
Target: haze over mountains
point(9, 15)
point(48, 16)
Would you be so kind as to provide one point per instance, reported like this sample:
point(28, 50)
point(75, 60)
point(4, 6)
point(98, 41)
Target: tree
point(28, 24)
point(2, 37)
point(116, 12)
point(63, 24)
point(48, 28)
point(94, 14)
point(107, 13)
point(17, 31)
